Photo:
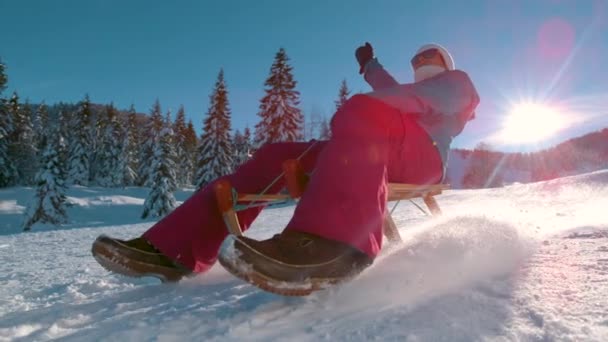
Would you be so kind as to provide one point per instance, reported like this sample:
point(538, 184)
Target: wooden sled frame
point(228, 198)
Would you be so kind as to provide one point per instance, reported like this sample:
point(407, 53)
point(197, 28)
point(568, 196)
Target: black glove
point(364, 54)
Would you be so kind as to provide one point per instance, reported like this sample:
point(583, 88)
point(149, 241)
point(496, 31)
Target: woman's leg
point(193, 232)
point(371, 145)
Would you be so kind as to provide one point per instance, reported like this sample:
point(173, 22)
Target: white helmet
point(428, 71)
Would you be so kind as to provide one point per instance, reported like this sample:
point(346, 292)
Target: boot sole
point(276, 286)
point(109, 260)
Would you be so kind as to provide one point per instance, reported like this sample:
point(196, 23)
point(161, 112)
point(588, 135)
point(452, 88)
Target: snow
point(524, 262)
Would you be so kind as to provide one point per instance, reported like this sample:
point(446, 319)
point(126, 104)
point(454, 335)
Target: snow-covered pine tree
point(130, 148)
point(247, 141)
point(97, 133)
point(12, 106)
point(62, 131)
point(151, 133)
point(324, 130)
point(160, 200)
point(237, 143)
point(191, 144)
point(49, 203)
point(280, 118)
point(3, 77)
point(169, 138)
point(8, 171)
point(22, 150)
point(184, 162)
point(242, 147)
point(41, 125)
point(110, 174)
point(312, 123)
point(343, 95)
point(215, 151)
point(79, 153)
point(26, 158)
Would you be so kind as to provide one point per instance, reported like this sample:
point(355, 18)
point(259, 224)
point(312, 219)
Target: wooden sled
point(230, 201)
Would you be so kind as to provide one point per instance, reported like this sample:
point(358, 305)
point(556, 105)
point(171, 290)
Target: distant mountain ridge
point(480, 168)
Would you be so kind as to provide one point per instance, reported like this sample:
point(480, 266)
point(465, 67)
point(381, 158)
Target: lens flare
point(531, 122)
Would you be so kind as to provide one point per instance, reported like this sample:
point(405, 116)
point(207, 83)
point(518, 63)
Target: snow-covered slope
point(525, 262)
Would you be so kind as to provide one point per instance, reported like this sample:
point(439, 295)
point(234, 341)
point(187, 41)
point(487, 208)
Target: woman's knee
point(360, 117)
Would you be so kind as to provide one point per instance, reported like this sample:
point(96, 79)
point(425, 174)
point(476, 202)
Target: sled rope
point(395, 207)
point(259, 195)
point(414, 203)
point(419, 207)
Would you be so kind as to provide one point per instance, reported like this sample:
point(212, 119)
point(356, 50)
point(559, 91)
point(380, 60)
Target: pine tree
point(247, 139)
point(49, 203)
point(26, 146)
point(97, 139)
point(184, 162)
point(343, 94)
point(191, 143)
point(62, 131)
point(169, 138)
point(215, 151)
point(3, 77)
point(237, 146)
point(110, 173)
point(242, 147)
point(280, 118)
point(160, 200)
point(324, 131)
point(130, 153)
point(312, 124)
point(151, 132)
point(11, 107)
point(8, 171)
point(78, 159)
point(41, 125)
point(22, 148)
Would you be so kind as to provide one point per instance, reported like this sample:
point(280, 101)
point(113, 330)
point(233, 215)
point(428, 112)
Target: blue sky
point(136, 51)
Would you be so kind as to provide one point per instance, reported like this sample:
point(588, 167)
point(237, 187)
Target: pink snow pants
point(345, 200)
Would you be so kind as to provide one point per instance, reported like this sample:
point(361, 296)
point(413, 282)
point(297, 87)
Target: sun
point(530, 122)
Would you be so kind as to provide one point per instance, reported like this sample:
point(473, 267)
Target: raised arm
point(373, 72)
point(376, 76)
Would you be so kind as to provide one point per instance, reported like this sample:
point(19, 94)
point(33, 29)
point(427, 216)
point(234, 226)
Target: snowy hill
point(525, 262)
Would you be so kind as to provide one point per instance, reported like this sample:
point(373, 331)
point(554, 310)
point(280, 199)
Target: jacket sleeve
point(377, 77)
point(451, 96)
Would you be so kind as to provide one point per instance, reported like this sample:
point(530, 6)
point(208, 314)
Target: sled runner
point(230, 201)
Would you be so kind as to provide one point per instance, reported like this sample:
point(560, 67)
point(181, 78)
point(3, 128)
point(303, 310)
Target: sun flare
point(531, 122)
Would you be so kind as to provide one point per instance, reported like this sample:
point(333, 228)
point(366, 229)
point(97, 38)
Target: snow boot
point(136, 258)
point(292, 263)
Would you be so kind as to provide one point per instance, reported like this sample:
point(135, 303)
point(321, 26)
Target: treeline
point(85, 144)
point(487, 168)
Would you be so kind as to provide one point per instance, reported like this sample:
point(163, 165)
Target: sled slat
point(416, 187)
point(263, 198)
point(405, 195)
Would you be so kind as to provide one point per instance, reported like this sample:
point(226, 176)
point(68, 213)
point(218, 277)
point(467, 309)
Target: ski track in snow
point(528, 262)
